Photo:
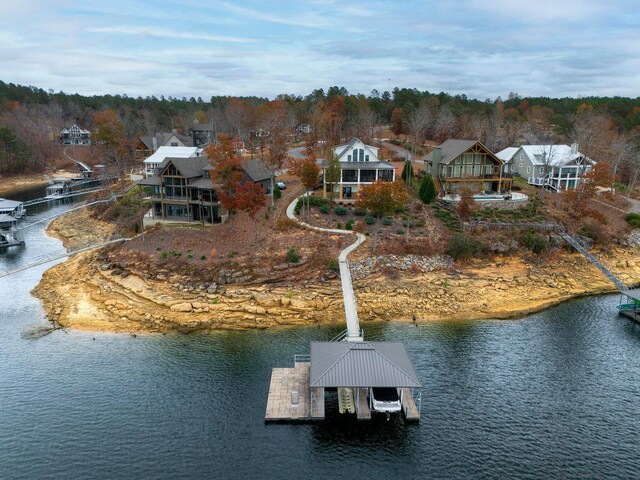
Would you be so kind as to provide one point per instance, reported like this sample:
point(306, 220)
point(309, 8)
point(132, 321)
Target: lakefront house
point(74, 135)
point(359, 165)
point(556, 167)
point(182, 191)
point(467, 163)
point(155, 160)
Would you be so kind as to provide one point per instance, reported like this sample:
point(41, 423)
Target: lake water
point(553, 395)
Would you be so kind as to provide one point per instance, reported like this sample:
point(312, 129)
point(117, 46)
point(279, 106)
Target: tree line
point(32, 118)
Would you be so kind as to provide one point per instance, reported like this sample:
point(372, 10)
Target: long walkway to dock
point(580, 248)
point(354, 332)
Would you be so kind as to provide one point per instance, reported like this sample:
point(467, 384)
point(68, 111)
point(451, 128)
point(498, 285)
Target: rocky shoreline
point(86, 293)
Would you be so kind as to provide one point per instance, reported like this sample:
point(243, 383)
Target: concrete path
point(354, 333)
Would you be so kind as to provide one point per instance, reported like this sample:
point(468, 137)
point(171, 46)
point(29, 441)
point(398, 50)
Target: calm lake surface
point(554, 395)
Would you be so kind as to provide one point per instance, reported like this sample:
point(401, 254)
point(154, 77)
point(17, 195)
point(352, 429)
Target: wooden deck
point(363, 412)
point(289, 395)
point(409, 406)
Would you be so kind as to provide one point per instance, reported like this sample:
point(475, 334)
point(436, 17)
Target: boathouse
point(351, 368)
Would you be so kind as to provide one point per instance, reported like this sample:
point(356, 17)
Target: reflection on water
point(552, 395)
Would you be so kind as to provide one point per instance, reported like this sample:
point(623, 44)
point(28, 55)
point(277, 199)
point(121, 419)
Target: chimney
point(154, 142)
point(435, 165)
point(574, 148)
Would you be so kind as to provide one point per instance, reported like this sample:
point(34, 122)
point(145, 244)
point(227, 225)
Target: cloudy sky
point(482, 48)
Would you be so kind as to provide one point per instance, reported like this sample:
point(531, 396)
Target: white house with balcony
point(557, 167)
point(152, 162)
point(359, 165)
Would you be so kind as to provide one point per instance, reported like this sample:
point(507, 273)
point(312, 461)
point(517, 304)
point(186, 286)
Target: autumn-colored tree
point(397, 121)
point(467, 204)
point(110, 132)
point(382, 198)
point(307, 170)
point(250, 198)
point(276, 125)
point(226, 174)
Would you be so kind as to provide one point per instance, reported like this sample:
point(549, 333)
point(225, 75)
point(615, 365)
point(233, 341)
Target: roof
point(361, 364)
point(173, 152)
point(5, 217)
point(257, 170)
point(153, 180)
point(453, 148)
point(554, 155)
point(202, 184)
point(6, 204)
point(361, 165)
point(634, 294)
point(162, 139)
point(507, 154)
point(187, 167)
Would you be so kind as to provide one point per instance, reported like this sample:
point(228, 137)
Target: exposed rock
point(181, 307)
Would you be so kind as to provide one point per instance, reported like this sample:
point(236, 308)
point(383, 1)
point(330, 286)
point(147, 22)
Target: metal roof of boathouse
point(361, 364)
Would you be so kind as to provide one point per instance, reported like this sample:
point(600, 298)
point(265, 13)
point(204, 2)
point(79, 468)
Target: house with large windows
point(359, 165)
point(467, 163)
point(182, 191)
point(74, 135)
point(556, 167)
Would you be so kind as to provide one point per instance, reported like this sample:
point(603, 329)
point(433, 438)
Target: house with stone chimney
point(556, 167)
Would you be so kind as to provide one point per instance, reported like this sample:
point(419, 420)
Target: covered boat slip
point(630, 304)
point(356, 366)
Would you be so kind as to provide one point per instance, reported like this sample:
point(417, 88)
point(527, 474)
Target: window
point(385, 175)
point(361, 155)
point(349, 175)
point(529, 169)
point(367, 175)
point(520, 166)
point(366, 158)
point(174, 144)
point(541, 170)
point(348, 158)
point(521, 157)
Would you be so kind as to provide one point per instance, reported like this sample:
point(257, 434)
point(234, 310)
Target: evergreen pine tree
point(427, 189)
point(407, 170)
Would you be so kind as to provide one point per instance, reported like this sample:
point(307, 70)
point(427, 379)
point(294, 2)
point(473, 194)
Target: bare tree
point(445, 124)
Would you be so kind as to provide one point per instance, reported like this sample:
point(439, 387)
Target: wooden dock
point(409, 406)
point(289, 395)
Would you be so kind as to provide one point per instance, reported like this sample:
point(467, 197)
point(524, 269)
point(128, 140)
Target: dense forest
point(31, 119)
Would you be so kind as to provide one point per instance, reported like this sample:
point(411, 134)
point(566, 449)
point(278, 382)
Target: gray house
point(557, 167)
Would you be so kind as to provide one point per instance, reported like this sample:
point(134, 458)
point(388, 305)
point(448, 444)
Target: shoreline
point(84, 294)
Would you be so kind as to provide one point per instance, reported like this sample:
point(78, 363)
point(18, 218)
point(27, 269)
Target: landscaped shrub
point(324, 208)
point(400, 231)
point(387, 221)
point(360, 212)
point(633, 219)
point(333, 265)
point(349, 225)
point(315, 201)
point(535, 242)
point(298, 206)
point(277, 193)
point(292, 255)
point(370, 220)
point(340, 210)
point(462, 247)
